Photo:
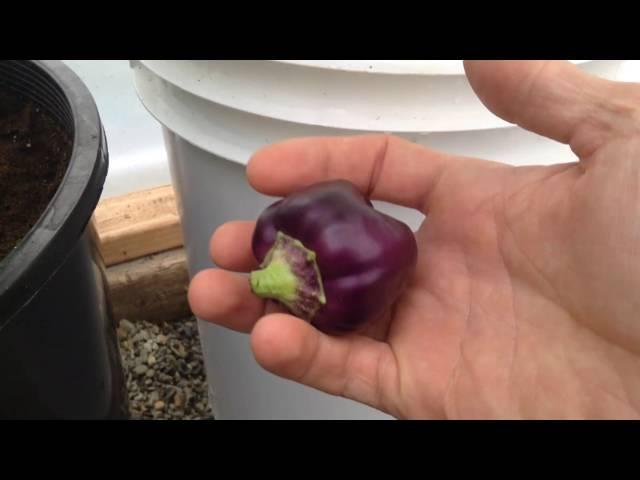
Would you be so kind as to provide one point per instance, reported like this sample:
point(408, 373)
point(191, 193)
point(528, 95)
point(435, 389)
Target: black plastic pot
point(59, 356)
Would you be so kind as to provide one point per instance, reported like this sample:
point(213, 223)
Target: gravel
point(165, 370)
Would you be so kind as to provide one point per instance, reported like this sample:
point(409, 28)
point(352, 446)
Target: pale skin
point(526, 298)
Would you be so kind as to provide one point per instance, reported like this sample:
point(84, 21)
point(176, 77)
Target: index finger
point(383, 167)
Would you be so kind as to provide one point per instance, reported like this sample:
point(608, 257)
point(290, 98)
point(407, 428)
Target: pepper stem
point(275, 281)
point(290, 275)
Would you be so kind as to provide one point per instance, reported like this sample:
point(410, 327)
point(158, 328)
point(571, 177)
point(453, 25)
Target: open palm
point(525, 302)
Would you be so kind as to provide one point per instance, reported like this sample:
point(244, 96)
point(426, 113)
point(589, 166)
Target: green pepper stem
point(290, 275)
point(275, 281)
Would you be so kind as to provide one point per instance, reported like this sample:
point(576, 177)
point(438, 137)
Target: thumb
point(558, 100)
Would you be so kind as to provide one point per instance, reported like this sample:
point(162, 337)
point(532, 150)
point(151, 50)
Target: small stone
point(150, 346)
point(168, 395)
point(150, 373)
point(178, 349)
point(127, 326)
point(178, 399)
point(182, 367)
point(161, 339)
point(159, 405)
point(140, 370)
point(151, 360)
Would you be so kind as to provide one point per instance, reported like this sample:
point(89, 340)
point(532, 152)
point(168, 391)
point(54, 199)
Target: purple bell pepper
point(330, 258)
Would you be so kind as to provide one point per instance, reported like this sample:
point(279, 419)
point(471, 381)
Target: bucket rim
point(391, 67)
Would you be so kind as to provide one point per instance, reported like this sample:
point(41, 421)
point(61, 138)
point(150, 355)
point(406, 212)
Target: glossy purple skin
point(365, 257)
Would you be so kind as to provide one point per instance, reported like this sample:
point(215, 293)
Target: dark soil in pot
point(34, 154)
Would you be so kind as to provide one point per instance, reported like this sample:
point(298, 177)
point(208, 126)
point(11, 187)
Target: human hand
point(525, 301)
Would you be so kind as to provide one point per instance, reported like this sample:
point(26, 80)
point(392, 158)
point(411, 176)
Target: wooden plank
point(152, 288)
point(138, 224)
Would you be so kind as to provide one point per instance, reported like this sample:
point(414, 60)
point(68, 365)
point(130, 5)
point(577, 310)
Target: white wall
point(136, 148)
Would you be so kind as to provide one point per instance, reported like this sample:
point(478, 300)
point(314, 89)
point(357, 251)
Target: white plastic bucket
point(216, 114)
